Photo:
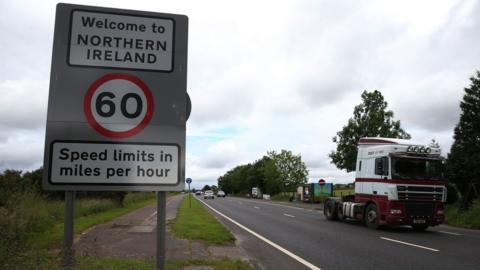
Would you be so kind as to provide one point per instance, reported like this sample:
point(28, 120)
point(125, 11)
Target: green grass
point(197, 223)
point(466, 219)
point(343, 192)
point(94, 212)
point(49, 261)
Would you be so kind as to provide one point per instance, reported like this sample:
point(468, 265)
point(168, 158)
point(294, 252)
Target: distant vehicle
point(198, 193)
point(397, 182)
point(208, 195)
point(220, 193)
point(256, 193)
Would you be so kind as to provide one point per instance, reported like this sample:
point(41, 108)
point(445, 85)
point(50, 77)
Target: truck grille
point(420, 193)
point(420, 209)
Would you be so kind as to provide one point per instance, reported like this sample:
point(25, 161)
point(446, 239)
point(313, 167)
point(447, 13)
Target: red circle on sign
point(321, 182)
point(87, 105)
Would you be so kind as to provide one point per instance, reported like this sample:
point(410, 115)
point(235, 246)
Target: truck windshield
point(416, 168)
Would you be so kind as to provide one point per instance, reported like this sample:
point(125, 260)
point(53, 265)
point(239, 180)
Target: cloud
point(265, 80)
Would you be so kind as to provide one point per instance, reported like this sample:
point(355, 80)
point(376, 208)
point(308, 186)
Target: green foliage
point(291, 169)
point(273, 173)
point(452, 193)
point(463, 167)
point(206, 187)
point(29, 222)
point(470, 218)
point(370, 119)
point(197, 223)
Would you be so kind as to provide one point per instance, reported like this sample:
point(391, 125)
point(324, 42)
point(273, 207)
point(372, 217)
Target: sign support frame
point(161, 216)
point(68, 251)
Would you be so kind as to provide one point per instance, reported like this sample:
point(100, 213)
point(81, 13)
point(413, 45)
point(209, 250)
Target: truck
point(397, 182)
point(256, 193)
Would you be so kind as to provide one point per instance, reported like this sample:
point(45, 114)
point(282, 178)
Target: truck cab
point(397, 182)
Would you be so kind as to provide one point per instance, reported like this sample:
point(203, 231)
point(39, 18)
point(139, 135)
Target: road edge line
point(290, 254)
point(409, 244)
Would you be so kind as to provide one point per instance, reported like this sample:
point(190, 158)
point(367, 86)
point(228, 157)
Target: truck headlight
point(395, 211)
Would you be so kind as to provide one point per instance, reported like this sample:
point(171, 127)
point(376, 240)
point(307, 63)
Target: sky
point(268, 75)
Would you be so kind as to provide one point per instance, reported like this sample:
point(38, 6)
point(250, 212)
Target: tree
point(291, 169)
point(434, 144)
point(370, 119)
point(206, 187)
point(463, 167)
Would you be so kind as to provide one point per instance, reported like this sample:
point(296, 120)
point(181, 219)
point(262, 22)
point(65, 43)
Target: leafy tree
point(434, 144)
point(206, 187)
point(291, 169)
point(370, 119)
point(463, 167)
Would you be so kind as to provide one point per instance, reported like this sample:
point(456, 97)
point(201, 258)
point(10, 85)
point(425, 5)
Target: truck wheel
point(419, 228)
point(371, 216)
point(330, 210)
point(340, 214)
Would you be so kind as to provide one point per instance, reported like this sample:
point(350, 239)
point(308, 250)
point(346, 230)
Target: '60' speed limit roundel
point(118, 105)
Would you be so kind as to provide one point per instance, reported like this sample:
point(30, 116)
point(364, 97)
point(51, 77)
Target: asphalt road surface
point(288, 237)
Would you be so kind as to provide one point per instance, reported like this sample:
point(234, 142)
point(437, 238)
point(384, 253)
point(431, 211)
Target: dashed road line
point(451, 233)
point(409, 244)
point(285, 251)
point(256, 207)
point(287, 215)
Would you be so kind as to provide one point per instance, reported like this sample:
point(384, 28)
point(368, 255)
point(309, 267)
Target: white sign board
point(120, 41)
point(117, 106)
point(100, 163)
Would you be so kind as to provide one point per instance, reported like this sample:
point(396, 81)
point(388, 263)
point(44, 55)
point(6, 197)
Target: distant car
point(198, 193)
point(220, 193)
point(208, 195)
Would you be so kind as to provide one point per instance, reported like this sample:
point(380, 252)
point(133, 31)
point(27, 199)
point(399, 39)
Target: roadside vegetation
point(197, 223)
point(31, 220)
point(274, 173)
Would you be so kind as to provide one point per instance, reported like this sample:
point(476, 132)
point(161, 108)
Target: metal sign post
point(189, 181)
point(161, 216)
point(68, 252)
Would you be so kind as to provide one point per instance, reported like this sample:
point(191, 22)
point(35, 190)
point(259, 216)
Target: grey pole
point(189, 197)
point(161, 215)
point(68, 252)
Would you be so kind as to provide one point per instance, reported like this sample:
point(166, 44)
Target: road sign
point(189, 181)
point(118, 102)
point(118, 105)
point(321, 182)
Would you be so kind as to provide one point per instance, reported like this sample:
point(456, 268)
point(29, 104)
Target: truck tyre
point(340, 214)
point(371, 216)
point(330, 210)
point(419, 228)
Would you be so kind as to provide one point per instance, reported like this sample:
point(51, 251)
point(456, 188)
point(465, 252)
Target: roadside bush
point(452, 193)
point(467, 219)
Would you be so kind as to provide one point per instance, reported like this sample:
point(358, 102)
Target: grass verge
point(196, 223)
point(51, 262)
point(467, 219)
point(54, 236)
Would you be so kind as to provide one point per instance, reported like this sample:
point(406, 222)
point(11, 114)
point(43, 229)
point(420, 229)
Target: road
point(304, 239)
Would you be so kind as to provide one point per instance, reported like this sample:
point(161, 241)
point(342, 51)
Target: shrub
point(452, 193)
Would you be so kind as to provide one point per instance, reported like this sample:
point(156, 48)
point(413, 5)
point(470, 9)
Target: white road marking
point(256, 207)
point(292, 255)
point(451, 233)
point(408, 244)
point(152, 215)
point(289, 215)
